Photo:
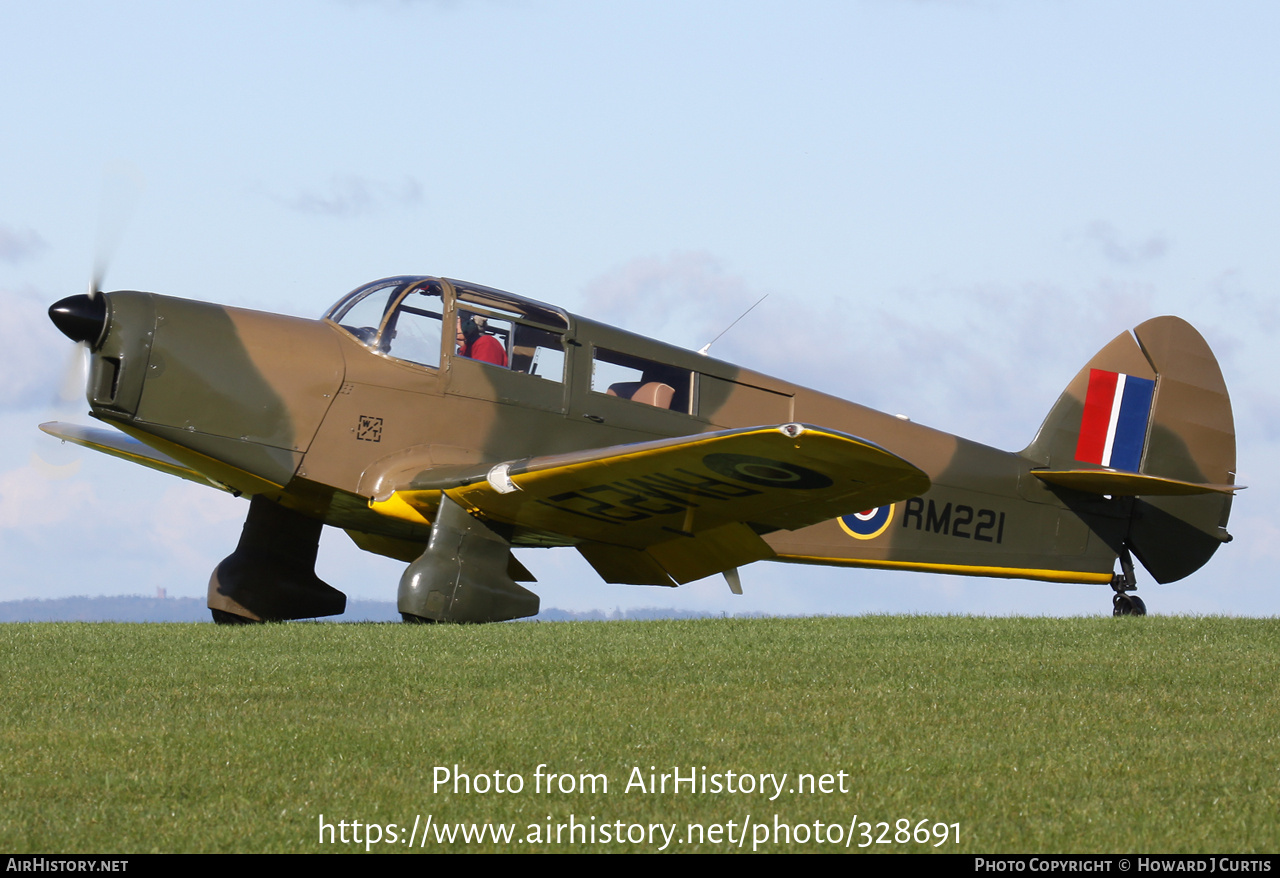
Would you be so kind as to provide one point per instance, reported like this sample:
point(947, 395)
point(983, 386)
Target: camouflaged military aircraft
point(444, 423)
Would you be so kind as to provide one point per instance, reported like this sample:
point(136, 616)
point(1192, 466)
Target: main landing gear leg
point(1122, 603)
point(271, 575)
point(464, 574)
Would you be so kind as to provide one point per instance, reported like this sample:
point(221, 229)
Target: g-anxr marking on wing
point(639, 495)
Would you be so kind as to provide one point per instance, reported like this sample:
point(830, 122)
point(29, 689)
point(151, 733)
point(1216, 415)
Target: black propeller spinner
point(80, 318)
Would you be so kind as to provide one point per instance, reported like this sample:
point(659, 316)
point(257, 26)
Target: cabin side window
point(642, 381)
point(511, 341)
point(413, 332)
point(538, 352)
point(483, 337)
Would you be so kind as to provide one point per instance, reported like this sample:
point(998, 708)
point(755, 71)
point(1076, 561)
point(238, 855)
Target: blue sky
point(951, 206)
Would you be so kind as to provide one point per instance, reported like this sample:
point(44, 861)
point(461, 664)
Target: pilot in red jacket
point(474, 344)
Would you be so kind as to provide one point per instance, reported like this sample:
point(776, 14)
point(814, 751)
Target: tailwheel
point(1127, 605)
point(1123, 603)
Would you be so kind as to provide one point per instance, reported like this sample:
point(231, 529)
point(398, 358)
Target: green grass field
point(1036, 735)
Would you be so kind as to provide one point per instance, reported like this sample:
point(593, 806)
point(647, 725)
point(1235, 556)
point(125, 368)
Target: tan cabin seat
point(653, 393)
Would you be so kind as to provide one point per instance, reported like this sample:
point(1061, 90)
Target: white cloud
point(31, 501)
point(983, 360)
point(352, 195)
point(18, 245)
point(685, 298)
point(193, 527)
point(1121, 251)
point(33, 354)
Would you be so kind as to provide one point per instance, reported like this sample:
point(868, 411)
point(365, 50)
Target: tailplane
point(1149, 418)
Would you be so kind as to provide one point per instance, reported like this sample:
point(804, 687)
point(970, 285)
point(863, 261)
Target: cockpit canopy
point(405, 318)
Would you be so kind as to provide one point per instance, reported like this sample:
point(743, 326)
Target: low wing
point(678, 509)
point(126, 447)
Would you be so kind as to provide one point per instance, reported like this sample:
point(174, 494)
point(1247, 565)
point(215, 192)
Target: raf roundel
point(765, 472)
point(867, 525)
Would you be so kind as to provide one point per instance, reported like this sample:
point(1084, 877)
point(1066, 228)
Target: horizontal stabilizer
point(1126, 484)
point(127, 448)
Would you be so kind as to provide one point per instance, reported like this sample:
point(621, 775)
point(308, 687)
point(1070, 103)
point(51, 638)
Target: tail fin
point(1149, 417)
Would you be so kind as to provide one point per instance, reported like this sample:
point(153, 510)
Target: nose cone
point(80, 318)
